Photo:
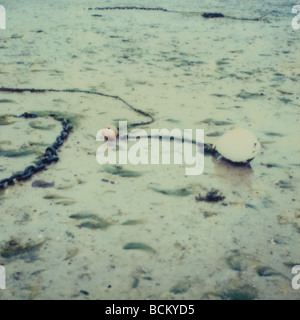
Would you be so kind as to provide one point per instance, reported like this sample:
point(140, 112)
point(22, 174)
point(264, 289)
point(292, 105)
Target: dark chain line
point(130, 8)
point(50, 156)
point(207, 15)
point(32, 90)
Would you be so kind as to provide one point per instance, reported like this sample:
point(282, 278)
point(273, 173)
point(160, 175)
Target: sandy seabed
point(137, 232)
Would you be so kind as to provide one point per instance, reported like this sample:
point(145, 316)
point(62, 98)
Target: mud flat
point(80, 230)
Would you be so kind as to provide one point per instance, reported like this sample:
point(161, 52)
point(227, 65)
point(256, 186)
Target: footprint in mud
point(139, 246)
point(42, 184)
point(232, 289)
point(138, 276)
point(120, 171)
point(181, 286)
point(91, 221)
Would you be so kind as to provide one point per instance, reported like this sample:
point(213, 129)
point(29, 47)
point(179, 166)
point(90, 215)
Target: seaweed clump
point(213, 195)
point(212, 15)
point(13, 249)
point(243, 292)
point(233, 290)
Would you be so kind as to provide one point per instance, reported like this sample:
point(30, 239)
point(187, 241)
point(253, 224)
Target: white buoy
point(238, 145)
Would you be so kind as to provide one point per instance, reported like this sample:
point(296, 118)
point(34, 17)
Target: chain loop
point(50, 156)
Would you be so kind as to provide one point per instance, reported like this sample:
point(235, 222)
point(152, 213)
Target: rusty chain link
point(50, 155)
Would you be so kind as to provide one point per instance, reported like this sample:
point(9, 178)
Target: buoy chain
point(105, 95)
point(50, 155)
point(206, 15)
point(128, 8)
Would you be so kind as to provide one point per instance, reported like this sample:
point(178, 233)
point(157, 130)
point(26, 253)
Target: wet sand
point(138, 232)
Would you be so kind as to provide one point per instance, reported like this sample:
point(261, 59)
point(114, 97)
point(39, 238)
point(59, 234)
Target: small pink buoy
point(110, 132)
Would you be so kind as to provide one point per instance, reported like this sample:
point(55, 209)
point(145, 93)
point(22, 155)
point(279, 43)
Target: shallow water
point(138, 232)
